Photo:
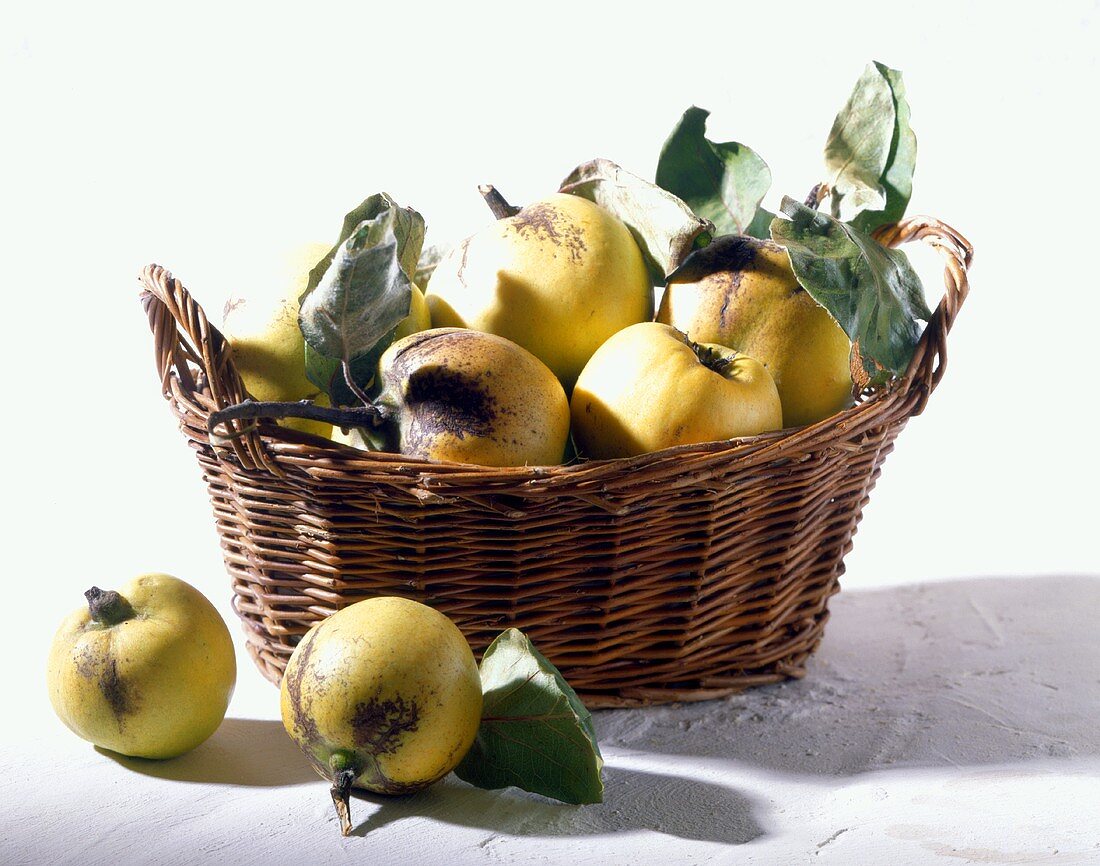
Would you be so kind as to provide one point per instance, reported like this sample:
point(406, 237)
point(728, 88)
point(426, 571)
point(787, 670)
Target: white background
point(209, 140)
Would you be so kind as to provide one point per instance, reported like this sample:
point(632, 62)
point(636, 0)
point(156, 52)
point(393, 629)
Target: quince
point(558, 278)
point(753, 303)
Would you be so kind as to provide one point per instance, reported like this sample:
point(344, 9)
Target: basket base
point(789, 669)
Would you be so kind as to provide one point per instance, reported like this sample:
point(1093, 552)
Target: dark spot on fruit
point(732, 287)
point(544, 221)
point(378, 725)
point(115, 691)
point(443, 399)
point(87, 664)
point(302, 720)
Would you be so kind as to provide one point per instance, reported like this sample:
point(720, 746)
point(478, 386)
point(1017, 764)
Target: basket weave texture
point(685, 574)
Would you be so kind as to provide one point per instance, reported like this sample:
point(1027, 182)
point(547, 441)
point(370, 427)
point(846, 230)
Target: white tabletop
point(954, 719)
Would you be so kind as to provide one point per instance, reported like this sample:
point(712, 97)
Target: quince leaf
point(871, 151)
point(873, 292)
point(761, 224)
point(723, 182)
point(664, 227)
point(357, 294)
point(408, 229)
point(897, 177)
point(535, 733)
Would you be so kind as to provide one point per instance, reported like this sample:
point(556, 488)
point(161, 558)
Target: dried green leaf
point(358, 294)
point(408, 229)
point(723, 182)
point(859, 143)
point(664, 226)
point(897, 177)
point(872, 291)
point(535, 733)
point(362, 296)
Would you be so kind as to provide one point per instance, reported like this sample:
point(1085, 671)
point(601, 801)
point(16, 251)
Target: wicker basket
point(681, 575)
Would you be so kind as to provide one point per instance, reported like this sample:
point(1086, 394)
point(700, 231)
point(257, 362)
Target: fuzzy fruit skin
point(388, 686)
point(761, 310)
point(558, 278)
point(154, 686)
point(268, 346)
point(646, 389)
point(470, 397)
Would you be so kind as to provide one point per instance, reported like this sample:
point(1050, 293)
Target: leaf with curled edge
point(873, 292)
point(859, 144)
point(663, 225)
point(901, 160)
point(358, 294)
point(363, 295)
point(409, 230)
point(535, 733)
point(723, 182)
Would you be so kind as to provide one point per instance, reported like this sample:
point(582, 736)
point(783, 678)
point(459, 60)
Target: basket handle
point(930, 358)
point(182, 335)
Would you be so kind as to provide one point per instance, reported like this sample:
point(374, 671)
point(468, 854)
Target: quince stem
point(108, 607)
point(341, 798)
point(709, 358)
point(497, 203)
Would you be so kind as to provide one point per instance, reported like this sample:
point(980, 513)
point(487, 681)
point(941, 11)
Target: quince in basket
point(558, 278)
point(469, 397)
point(462, 395)
point(741, 292)
point(649, 387)
point(268, 348)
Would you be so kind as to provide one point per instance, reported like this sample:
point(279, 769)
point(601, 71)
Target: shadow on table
point(968, 673)
point(633, 800)
point(249, 752)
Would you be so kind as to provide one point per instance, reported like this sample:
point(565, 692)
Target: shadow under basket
point(682, 575)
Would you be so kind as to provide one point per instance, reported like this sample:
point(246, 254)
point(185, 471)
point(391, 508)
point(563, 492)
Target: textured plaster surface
point(954, 722)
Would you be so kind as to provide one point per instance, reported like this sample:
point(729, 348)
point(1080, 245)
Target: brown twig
point(369, 415)
point(497, 203)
